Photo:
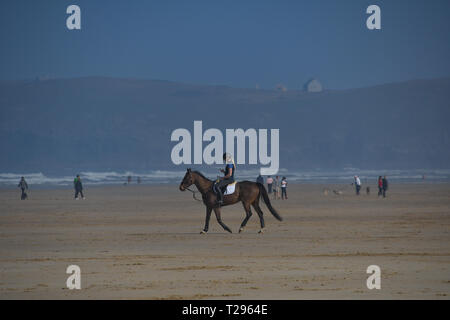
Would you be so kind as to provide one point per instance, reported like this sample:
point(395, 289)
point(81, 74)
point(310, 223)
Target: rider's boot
point(219, 197)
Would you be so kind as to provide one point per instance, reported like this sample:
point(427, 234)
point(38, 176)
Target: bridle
point(193, 193)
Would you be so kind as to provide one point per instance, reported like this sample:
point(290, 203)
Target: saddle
point(229, 189)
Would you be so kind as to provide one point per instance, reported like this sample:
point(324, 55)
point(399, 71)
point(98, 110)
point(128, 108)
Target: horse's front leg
point(208, 216)
point(219, 220)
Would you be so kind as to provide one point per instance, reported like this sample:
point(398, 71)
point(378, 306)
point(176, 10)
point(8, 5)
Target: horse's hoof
point(203, 232)
point(261, 231)
point(241, 229)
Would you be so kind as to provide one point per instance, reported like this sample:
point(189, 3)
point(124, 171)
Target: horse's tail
point(265, 196)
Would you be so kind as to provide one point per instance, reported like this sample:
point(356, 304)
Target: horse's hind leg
point(260, 214)
point(248, 214)
point(219, 220)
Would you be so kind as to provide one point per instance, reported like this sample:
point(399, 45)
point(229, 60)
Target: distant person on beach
point(269, 184)
point(380, 186)
point(129, 179)
point(368, 190)
point(283, 188)
point(78, 187)
point(23, 186)
point(275, 187)
point(357, 185)
point(260, 179)
point(139, 180)
point(385, 186)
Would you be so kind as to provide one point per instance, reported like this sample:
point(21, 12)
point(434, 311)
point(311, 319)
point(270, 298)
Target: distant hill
point(125, 124)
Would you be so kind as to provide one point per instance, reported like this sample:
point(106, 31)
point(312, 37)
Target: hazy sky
point(235, 43)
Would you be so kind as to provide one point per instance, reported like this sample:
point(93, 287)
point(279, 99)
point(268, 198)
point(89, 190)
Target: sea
point(156, 177)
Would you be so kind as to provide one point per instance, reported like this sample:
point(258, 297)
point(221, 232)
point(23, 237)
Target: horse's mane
point(201, 175)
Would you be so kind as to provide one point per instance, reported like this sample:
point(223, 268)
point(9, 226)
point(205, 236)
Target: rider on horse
point(228, 177)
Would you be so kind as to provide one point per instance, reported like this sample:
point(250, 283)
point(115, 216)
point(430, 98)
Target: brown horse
point(246, 191)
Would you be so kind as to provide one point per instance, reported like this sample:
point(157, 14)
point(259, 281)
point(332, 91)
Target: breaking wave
point(175, 176)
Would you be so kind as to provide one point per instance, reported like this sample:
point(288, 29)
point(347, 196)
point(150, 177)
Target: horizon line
point(50, 78)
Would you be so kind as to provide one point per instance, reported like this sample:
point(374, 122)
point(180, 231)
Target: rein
point(193, 194)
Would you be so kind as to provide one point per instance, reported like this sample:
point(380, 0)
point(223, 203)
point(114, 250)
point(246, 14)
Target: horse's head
point(187, 181)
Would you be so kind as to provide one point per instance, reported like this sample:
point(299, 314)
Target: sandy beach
point(143, 242)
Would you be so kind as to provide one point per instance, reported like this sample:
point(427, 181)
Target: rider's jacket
point(230, 165)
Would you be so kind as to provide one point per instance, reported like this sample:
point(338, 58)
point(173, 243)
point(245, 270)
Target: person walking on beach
point(269, 184)
point(275, 187)
point(385, 186)
point(260, 179)
point(23, 186)
point(380, 186)
point(78, 187)
point(283, 188)
point(357, 185)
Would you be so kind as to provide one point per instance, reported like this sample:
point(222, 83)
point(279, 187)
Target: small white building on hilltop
point(313, 85)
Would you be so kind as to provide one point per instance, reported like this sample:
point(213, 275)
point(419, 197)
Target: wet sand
point(143, 242)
